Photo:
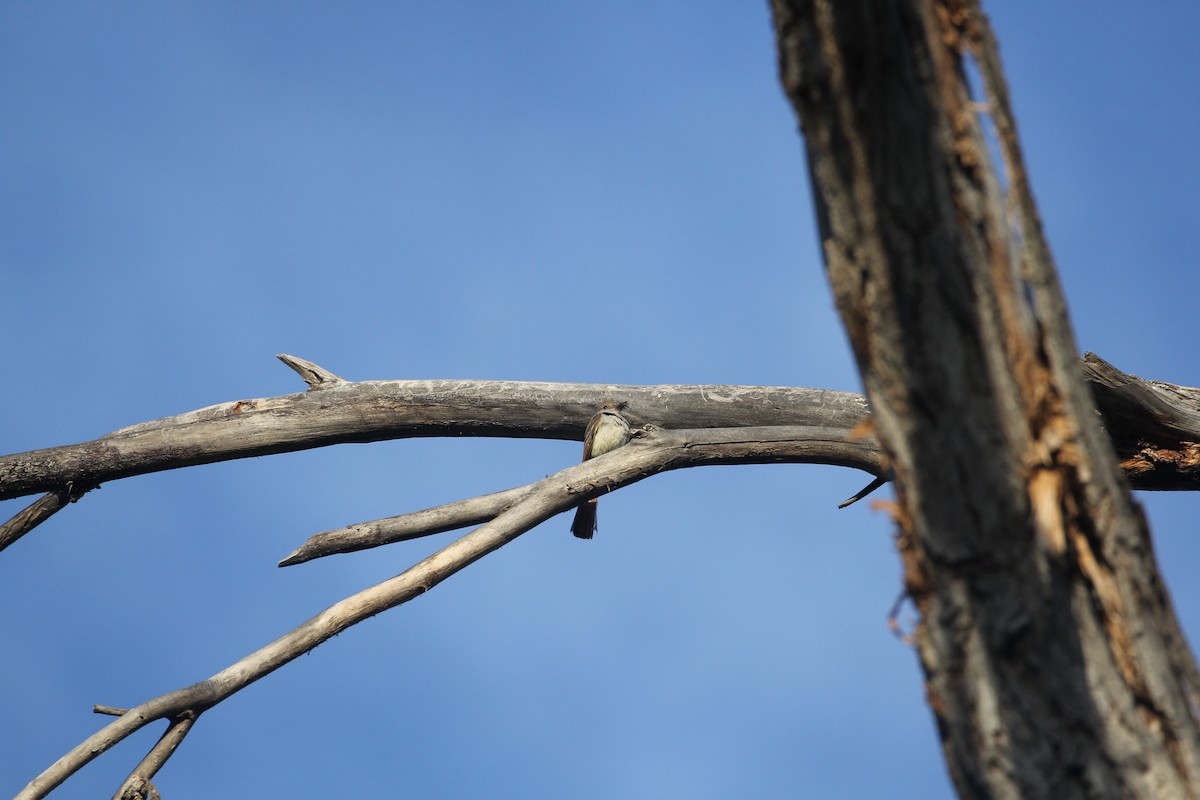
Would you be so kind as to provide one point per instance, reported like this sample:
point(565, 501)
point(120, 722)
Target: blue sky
point(435, 190)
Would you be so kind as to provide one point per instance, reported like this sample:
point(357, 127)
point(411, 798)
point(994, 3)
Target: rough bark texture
point(1155, 426)
point(1055, 666)
point(366, 411)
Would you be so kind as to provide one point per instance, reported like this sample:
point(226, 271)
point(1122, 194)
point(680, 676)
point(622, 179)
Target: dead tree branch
point(1155, 427)
point(427, 522)
point(39, 511)
point(138, 785)
point(652, 452)
point(772, 445)
point(723, 425)
point(336, 412)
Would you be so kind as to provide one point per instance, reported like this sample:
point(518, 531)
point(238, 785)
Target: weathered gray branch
point(726, 424)
point(414, 525)
point(1155, 426)
point(777, 444)
point(650, 453)
point(138, 785)
point(366, 411)
point(39, 511)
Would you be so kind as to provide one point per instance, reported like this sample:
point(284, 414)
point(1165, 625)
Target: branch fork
point(830, 431)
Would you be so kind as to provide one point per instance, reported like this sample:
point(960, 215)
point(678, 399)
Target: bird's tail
point(585, 520)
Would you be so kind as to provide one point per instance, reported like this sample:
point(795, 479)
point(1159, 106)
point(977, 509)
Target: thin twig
point(111, 711)
point(893, 620)
point(39, 511)
point(364, 535)
point(863, 492)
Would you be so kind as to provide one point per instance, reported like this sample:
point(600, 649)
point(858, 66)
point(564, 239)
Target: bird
point(606, 430)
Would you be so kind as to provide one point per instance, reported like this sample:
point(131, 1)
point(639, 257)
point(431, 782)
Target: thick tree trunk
point(1054, 664)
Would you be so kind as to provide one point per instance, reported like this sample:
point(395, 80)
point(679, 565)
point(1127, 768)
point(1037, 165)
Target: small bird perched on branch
point(606, 431)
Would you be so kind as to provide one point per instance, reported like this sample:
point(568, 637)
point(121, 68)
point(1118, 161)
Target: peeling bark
point(1054, 664)
point(1154, 426)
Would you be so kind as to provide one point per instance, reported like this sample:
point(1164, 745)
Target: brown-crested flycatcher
point(606, 431)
